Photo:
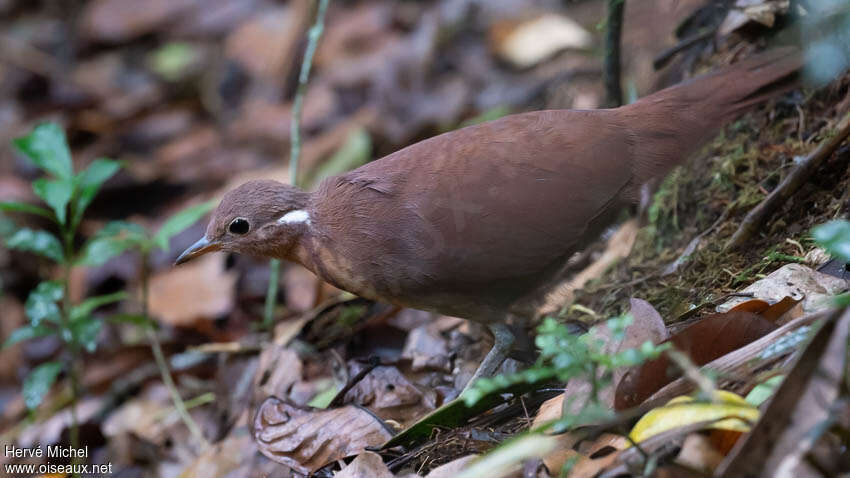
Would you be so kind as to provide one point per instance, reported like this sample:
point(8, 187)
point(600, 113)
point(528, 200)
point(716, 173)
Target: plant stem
point(162, 363)
point(313, 36)
point(73, 367)
point(271, 293)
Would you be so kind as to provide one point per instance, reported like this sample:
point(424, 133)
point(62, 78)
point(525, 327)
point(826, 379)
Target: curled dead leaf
point(306, 439)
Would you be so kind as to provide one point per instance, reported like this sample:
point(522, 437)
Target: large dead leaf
point(306, 439)
point(712, 337)
point(201, 289)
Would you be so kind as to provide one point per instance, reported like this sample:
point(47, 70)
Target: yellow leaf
point(728, 411)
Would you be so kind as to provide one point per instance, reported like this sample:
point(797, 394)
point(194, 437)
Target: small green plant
point(565, 356)
point(48, 307)
point(834, 236)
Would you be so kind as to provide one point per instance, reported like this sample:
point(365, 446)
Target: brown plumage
point(472, 222)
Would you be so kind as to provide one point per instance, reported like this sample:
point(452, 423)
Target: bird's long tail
point(669, 125)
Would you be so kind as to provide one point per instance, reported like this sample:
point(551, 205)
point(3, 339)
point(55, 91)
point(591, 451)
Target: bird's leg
point(503, 340)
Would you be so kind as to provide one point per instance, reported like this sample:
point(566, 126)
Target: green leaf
point(27, 332)
point(85, 332)
point(100, 249)
point(14, 206)
point(842, 300)
point(86, 307)
point(135, 319)
point(56, 193)
point(115, 238)
point(89, 183)
point(41, 303)
point(834, 236)
point(39, 242)
point(38, 383)
point(179, 222)
point(761, 392)
point(47, 148)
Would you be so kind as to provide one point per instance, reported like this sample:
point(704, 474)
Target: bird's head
point(259, 218)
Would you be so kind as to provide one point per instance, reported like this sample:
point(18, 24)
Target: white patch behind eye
point(295, 217)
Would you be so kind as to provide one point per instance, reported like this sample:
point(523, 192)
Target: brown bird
point(473, 222)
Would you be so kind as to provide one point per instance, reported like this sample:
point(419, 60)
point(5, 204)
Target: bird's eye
point(239, 226)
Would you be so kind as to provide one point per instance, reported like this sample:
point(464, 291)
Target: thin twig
point(313, 36)
point(795, 179)
point(611, 71)
point(665, 56)
point(162, 363)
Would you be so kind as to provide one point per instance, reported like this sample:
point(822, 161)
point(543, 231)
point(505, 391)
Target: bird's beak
point(197, 249)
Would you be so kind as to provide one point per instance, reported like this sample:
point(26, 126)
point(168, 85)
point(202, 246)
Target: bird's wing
point(490, 202)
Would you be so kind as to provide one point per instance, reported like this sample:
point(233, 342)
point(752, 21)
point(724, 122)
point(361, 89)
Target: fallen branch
point(798, 176)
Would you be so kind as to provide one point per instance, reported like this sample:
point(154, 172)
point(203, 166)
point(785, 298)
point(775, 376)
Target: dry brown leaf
point(740, 362)
point(427, 349)
point(306, 439)
point(142, 417)
point(227, 457)
point(280, 368)
point(599, 455)
point(744, 12)
point(783, 311)
point(390, 395)
point(117, 20)
point(526, 43)
point(264, 44)
point(201, 289)
point(794, 280)
point(709, 338)
point(755, 306)
point(261, 119)
point(699, 454)
point(367, 465)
